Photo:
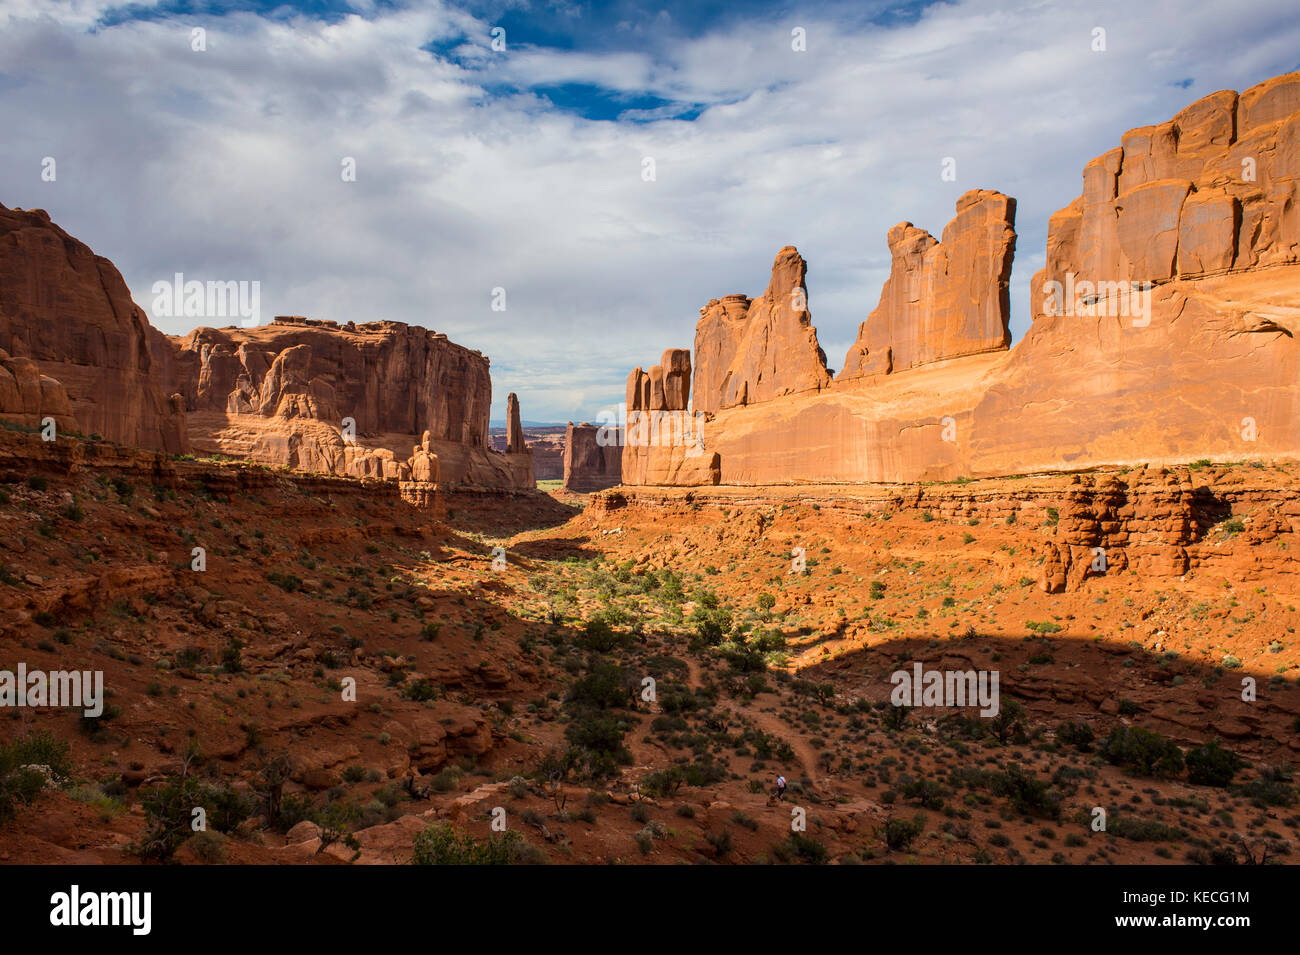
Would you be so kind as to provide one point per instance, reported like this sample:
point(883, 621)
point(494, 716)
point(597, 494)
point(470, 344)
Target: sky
point(518, 175)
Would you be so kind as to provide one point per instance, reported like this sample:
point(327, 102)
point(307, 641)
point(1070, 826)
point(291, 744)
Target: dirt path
point(768, 723)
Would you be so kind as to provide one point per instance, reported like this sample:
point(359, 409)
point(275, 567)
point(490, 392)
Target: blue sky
point(522, 168)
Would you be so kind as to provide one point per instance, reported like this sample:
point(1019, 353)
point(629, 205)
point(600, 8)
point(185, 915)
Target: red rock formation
point(751, 351)
point(514, 426)
point(942, 299)
point(1202, 211)
point(69, 311)
point(589, 464)
point(27, 397)
point(1209, 191)
point(1204, 364)
point(348, 399)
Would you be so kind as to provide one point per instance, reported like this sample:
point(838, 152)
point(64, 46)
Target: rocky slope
point(484, 688)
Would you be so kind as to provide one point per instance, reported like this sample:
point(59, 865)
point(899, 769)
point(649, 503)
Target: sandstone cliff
point(1163, 328)
point(748, 351)
point(589, 465)
point(943, 299)
point(69, 311)
point(344, 399)
point(661, 437)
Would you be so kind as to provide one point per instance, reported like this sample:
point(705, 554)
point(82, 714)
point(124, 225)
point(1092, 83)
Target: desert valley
point(339, 621)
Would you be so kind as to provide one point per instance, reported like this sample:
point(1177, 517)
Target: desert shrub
point(604, 687)
point(286, 582)
point(209, 846)
point(441, 843)
point(600, 637)
point(801, 848)
point(1273, 787)
point(1078, 735)
point(1142, 751)
point(1212, 765)
point(421, 690)
point(1009, 724)
point(1027, 793)
point(598, 741)
point(925, 791)
point(710, 619)
point(721, 841)
point(1143, 830)
point(664, 782)
point(26, 765)
point(900, 834)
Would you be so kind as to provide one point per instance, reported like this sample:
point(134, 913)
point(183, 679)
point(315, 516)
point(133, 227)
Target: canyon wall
point(352, 399)
point(74, 347)
point(69, 312)
point(589, 465)
point(1163, 329)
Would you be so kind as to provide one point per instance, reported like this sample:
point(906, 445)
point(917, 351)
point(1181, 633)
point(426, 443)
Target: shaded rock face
point(1164, 329)
point(749, 351)
point(662, 438)
point(27, 397)
point(69, 311)
point(587, 465)
point(514, 426)
point(344, 399)
point(943, 299)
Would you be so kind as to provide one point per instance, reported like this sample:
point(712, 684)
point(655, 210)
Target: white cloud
point(225, 163)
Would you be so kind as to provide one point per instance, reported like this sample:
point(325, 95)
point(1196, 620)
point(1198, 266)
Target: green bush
point(441, 843)
point(1078, 735)
point(1211, 765)
point(1027, 793)
point(1142, 751)
point(801, 847)
point(900, 834)
point(20, 781)
point(604, 687)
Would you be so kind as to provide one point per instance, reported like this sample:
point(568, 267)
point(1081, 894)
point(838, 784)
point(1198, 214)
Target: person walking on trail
point(780, 789)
